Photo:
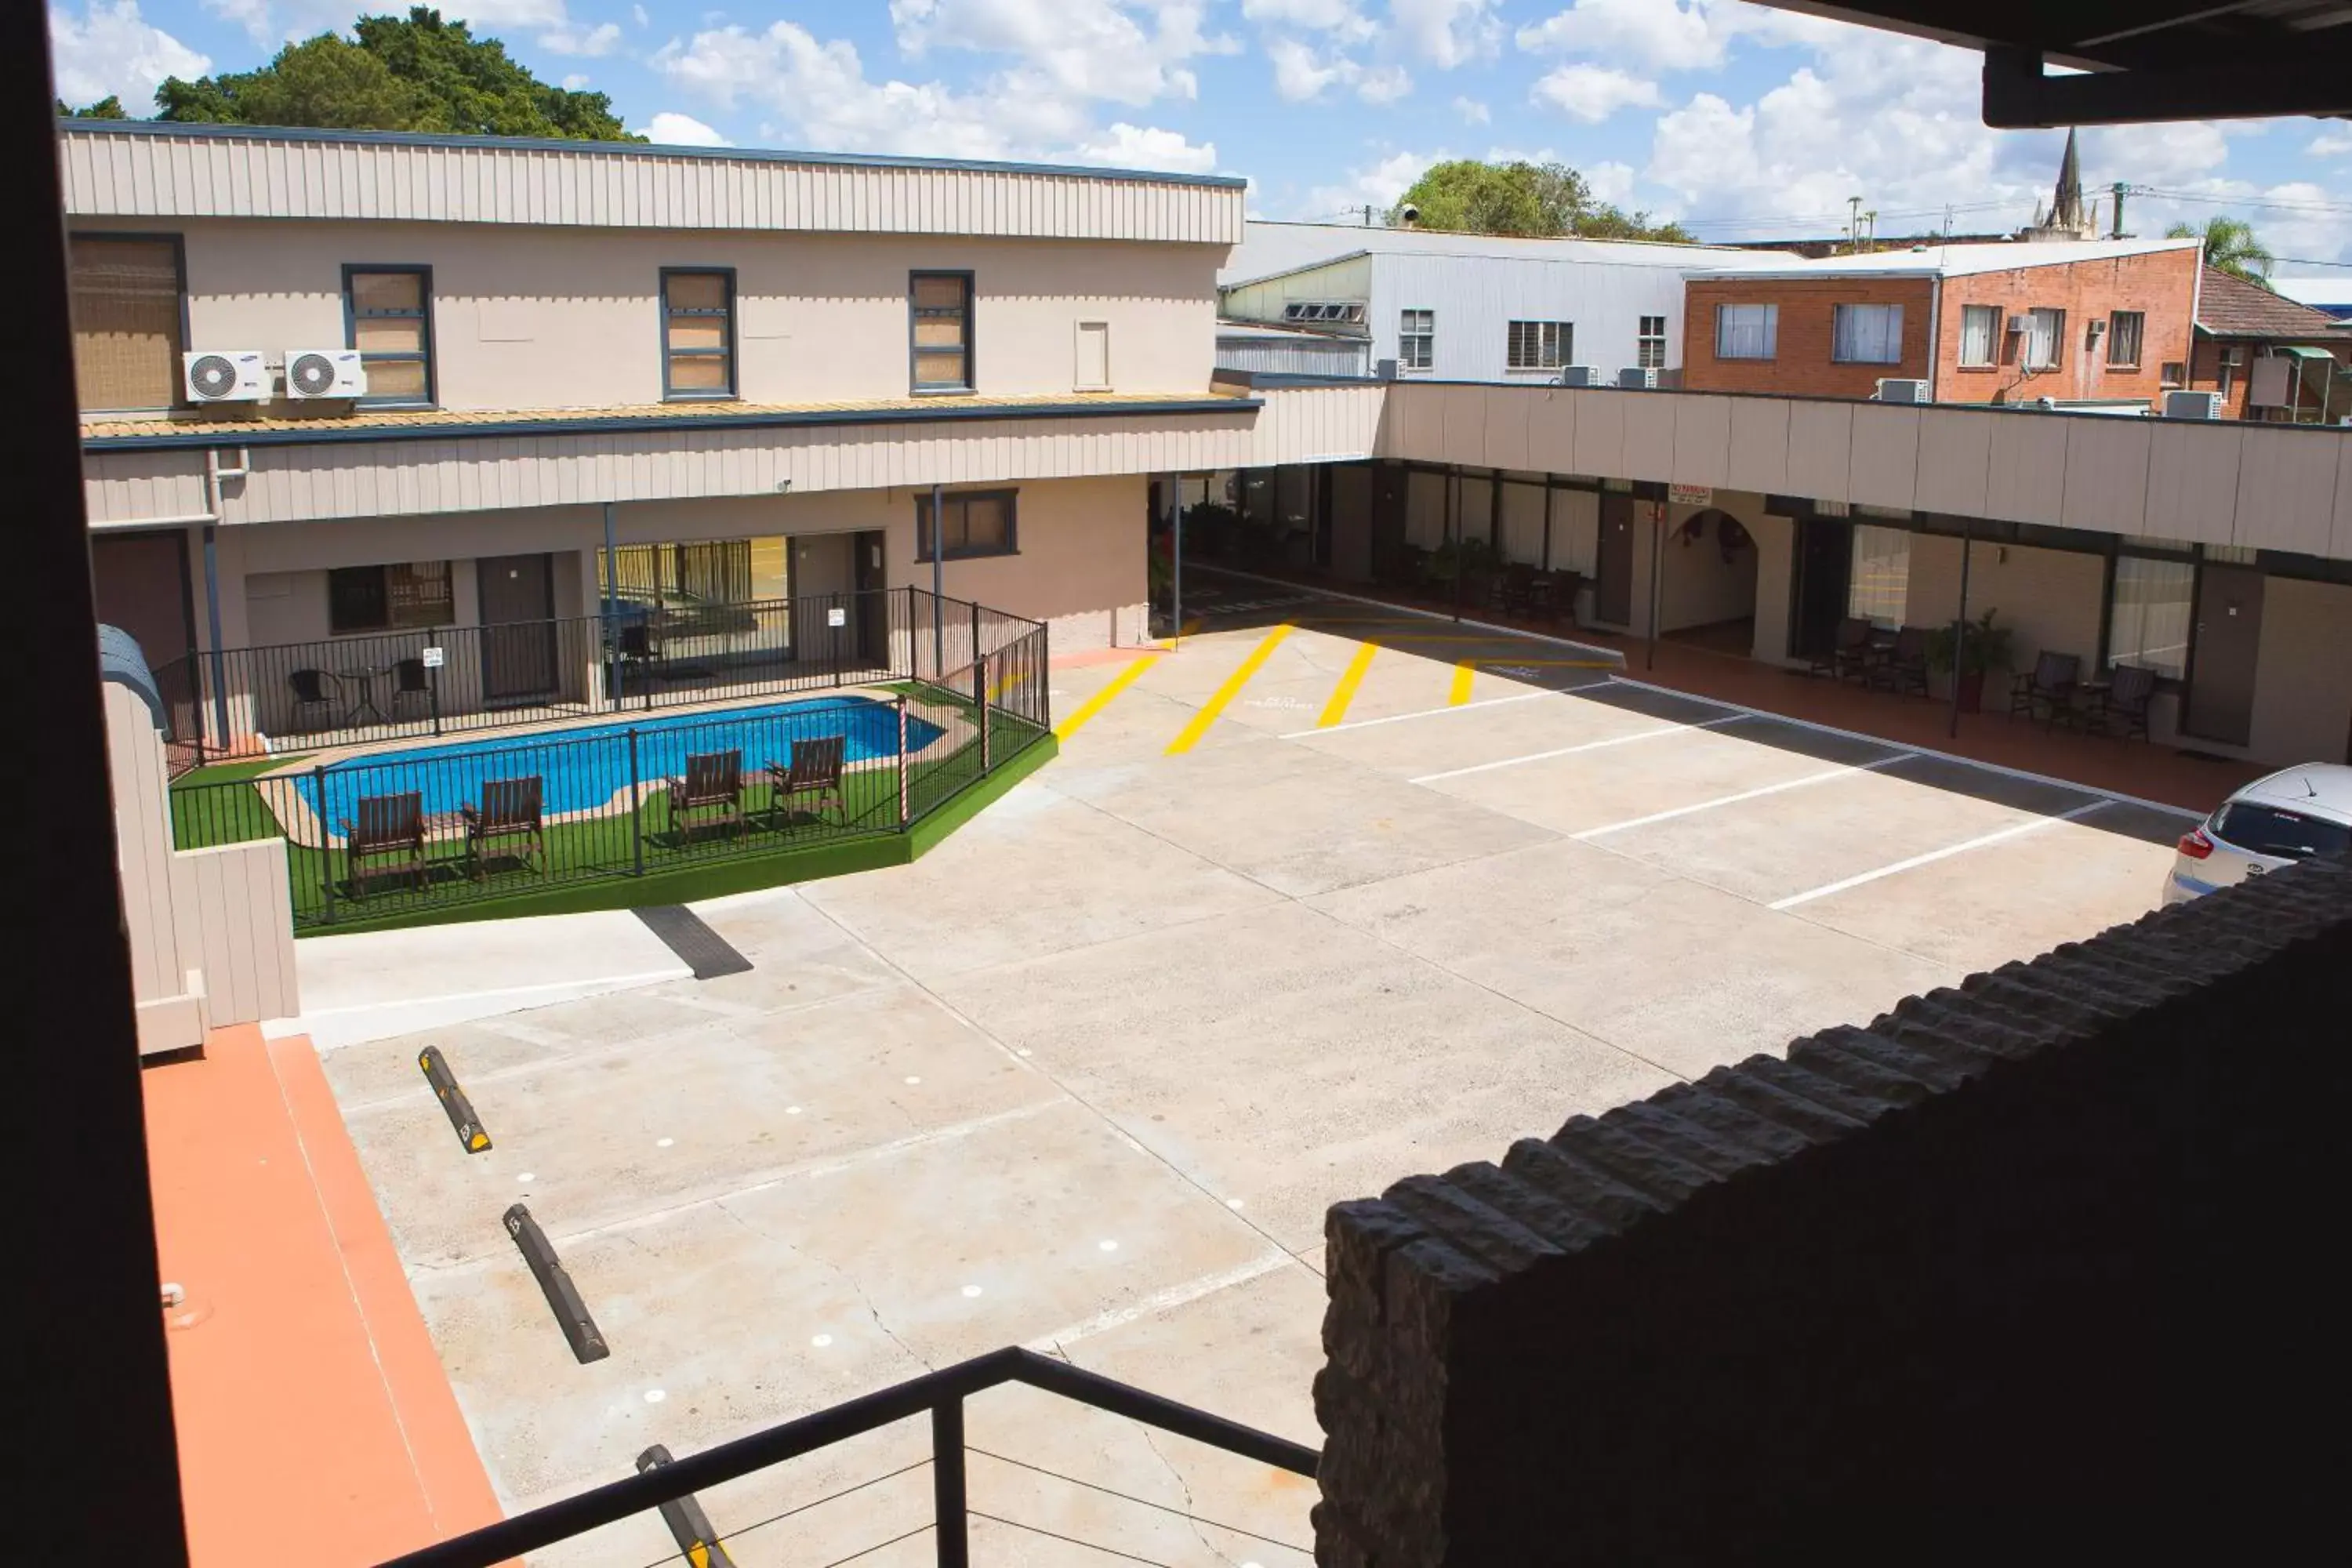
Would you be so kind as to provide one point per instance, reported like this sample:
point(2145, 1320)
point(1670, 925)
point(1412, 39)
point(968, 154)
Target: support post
point(1176, 555)
point(612, 612)
point(979, 670)
point(1960, 628)
point(213, 620)
point(636, 811)
point(947, 1515)
point(979, 686)
point(939, 583)
point(903, 816)
point(1454, 531)
point(1657, 555)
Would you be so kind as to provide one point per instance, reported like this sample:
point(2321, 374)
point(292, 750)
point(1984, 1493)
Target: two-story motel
point(576, 354)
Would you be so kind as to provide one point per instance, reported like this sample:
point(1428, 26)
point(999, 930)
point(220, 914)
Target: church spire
point(2067, 215)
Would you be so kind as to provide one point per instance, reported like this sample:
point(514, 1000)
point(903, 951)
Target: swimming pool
point(586, 768)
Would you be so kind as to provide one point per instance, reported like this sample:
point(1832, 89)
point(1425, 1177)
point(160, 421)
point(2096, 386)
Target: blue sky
point(1737, 120)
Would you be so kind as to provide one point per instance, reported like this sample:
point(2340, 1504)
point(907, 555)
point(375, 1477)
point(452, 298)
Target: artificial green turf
point(228, 772)
point(597, 859)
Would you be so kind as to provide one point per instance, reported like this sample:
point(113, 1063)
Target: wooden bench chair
point(509, 822)
point(710, 794)
point(387, 840)
point(814, 774)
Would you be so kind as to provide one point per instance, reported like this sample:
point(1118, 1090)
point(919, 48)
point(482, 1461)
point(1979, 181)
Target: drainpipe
point(1176, 554)
point(938, 582)
point(214, 475)
point(612, 609)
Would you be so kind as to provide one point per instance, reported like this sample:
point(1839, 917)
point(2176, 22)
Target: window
point(2147, 614)
point(1650, 344)
point(1979, 336)
point(941, 328)
point(1539, 345)
point(2124, 330)
point(1879, 588)
point(1746, 332)
point(388, 313)
point(388, 598)
point(698, 334)
point(976, 522)
point(1416, 340)
point(1866, 334)
point(2045, 335)
point(2176, 374)
point(1322, 311)
point(2288, 835)
point(126, 321)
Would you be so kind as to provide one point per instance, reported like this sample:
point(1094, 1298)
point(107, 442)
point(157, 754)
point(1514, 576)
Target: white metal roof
point(1950, 260)
point(1270, 250)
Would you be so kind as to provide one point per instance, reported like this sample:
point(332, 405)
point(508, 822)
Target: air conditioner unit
point(2018, 323)
point(1384, 370)
point(2233, 356)
point(225, 375)
point(1581, 375)
point(1637, 378)
point(1894, 389)
point(325, 373)
point(2192, 405)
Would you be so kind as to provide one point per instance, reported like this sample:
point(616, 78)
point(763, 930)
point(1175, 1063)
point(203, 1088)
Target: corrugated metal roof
point(1954, 260)
point(1272, 250)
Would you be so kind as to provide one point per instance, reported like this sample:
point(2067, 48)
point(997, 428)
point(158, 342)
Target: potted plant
point(1984, 647)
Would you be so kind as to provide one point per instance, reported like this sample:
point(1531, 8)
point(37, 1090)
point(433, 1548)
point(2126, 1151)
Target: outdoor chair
point(710, 793)
point(2121, 706)
point(1557, 594)
point(309, 686)
point(411, 687)
point(1514, 590)
point(508, 822)
point(640, 650)
point(1850, 653)
point(1905, 667)
point(814, 774)
point(387, 840)
point(2048, 690)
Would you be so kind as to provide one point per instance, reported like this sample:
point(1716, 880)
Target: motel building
point(346, 387)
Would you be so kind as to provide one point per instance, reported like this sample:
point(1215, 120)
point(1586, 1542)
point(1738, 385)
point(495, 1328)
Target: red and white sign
point(1691, 495)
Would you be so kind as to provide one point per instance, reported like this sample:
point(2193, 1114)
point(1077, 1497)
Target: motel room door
point(1613, 591)
point(1819, 597)
point(2228, 635)
point(872, 611)
point(518, 603)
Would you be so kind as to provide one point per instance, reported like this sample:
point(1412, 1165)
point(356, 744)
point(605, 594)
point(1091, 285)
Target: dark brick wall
point(2041, 1266)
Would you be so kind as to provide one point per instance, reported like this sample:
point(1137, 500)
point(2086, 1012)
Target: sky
point(1737, 120)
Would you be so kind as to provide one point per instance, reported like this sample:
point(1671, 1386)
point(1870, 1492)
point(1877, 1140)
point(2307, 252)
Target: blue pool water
point(585, 768)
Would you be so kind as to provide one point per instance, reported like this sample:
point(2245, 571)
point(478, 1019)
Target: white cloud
point(2330, 144)
point(1471, 112)
point(1129, 146)
point(638, 11)
point(1660, 34)
point(111, 50)
point(1092, 48)
point(1377, 185)
point(1610, 182)
point(1301, 73)
point(274, 22)
point(598, 40)
point(1343, 19)
point(1593, 93)
point(1447, 33)
point(574, 83)
point(671, 129)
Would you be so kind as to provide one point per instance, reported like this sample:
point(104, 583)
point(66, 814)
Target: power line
point(2255, 202)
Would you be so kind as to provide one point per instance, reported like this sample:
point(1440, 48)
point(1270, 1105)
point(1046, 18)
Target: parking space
point(1323, 899)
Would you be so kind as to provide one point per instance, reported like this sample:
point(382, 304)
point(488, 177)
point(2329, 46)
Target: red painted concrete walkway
point(315, 1422)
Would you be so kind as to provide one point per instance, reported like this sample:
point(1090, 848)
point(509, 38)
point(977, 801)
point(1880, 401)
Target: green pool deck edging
point(690, 884)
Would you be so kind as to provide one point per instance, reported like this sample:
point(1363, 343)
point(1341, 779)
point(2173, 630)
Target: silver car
point(2273, 822)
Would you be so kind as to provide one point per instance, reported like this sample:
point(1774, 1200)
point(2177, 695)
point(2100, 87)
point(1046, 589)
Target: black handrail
point(942, 1392)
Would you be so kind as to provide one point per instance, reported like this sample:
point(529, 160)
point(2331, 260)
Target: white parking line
point(1434, 713)
point(2002, 835)
point(1824, 777)
point(1587, 746)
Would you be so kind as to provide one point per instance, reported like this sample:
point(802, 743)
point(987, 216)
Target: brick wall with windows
point(2160, 286)
point(1801, 365)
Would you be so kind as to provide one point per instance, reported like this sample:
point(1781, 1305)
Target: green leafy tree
point(2231, 246)
point(416, 72)
point(106, 108)
point(1520, 198)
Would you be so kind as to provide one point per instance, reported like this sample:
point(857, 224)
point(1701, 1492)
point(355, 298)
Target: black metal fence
point(632, 794)
point(449, 681)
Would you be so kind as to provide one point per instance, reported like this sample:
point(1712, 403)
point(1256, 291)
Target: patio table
point(361, 680)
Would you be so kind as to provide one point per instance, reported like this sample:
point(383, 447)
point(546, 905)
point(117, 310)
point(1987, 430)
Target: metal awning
point(2299, 351)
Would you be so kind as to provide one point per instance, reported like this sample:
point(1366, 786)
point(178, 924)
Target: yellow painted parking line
point(1465, 672)
point(1102, 700)
point(1190, 735)
point(1345, 692)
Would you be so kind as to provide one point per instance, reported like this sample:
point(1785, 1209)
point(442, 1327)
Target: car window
point(2267, 830)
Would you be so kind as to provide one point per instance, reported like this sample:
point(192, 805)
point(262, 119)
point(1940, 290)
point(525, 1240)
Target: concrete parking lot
point(1288, 921)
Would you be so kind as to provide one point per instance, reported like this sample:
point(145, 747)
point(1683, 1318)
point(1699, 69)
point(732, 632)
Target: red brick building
point(2093, 320)
point(2241, 325)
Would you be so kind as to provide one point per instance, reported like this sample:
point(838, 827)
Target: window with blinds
point(1539, 345)
point(404, 595)
point(1746, 332)
point(1879, 588)
point(2045, 337)
point(390, 314)
point(941, 329)
point(2124, 330)
point(1866, 334)
point(697, 334)
point(126, 322)
point(970, 522)
point(2149, 607)
point(1980, 335)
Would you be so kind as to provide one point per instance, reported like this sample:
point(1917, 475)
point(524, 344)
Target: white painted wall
point(1477, 297)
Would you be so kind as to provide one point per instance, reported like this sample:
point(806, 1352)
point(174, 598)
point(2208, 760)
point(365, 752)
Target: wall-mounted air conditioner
point(1582, 375)
point(1896, 389)
point(325, 373)
point(2018, 322)
point(1635, 378)
point(2192, 405)
point(225, 375)
point(2233, 356)
point(1384, 370)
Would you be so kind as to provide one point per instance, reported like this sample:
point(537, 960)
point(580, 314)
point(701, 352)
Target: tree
point(2231, 246)
point(412, 73)
point(106, 108)
point(1521, 198)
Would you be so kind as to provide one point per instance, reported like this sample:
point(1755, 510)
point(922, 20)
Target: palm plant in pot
point(1984, 647)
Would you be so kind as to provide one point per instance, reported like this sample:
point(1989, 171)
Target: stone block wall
point(2040, 1266)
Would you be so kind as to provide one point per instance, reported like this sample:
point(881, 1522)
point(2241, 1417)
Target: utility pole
point(2119, 190)
point(1852, 225)
point(1368, 215)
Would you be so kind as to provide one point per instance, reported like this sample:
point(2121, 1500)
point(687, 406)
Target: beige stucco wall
point(1776, 557)
point(2303, 675)
point(2049, 598)
point(546, 318)
point(1697, 586)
